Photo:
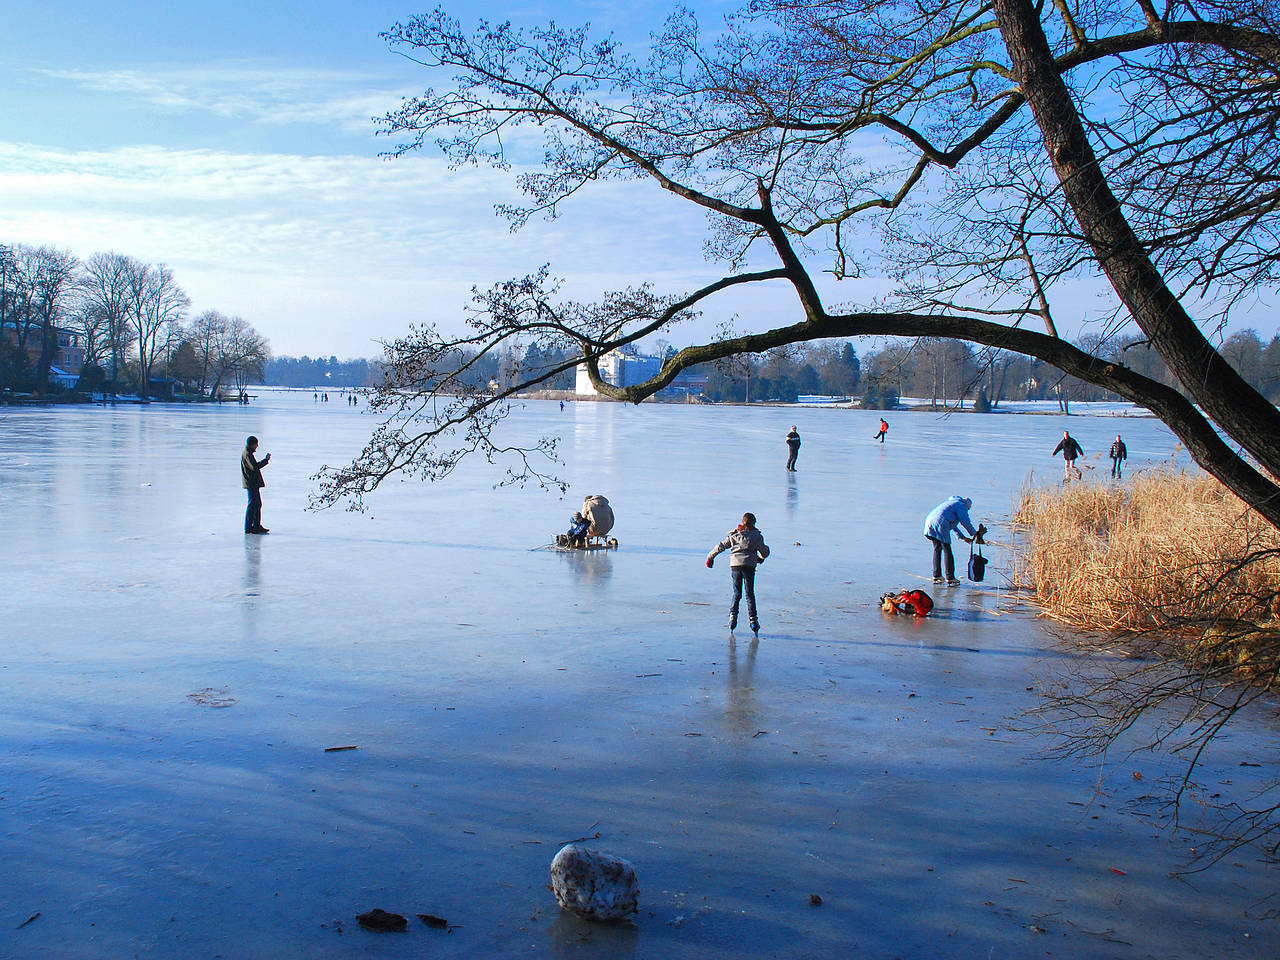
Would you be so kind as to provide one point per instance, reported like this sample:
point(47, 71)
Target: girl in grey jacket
point(748, 549)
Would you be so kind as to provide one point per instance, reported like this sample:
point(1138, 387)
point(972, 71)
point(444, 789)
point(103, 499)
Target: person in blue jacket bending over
point(949, 515)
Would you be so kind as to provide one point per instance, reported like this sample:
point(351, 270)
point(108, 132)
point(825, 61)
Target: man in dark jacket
point(1119, 454)
point(251, 479)
point(793, 448)
point(1070, 450)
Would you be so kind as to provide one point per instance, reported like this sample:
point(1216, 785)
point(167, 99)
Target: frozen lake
point(171, 686)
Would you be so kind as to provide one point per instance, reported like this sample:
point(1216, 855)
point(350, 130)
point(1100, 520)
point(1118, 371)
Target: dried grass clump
point(1169, 551)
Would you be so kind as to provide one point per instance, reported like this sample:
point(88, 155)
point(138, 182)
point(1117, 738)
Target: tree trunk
point(1225, 396)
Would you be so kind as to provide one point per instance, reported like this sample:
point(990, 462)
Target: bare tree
point(45, 282)
point(93, 327)
point(204, 335)
point(14, 297)
point(237, 351)
point(1113, 177)
point(108, 288)
point(154, 303)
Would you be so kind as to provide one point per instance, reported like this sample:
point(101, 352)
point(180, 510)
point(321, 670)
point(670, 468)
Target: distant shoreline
point(1048, 408)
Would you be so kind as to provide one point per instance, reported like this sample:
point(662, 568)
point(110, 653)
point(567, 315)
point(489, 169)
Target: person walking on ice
point(793, 448)
point(748, 550)
point(884, 428)
point(1119, 454)
point(945, 517)
point(1070, 450)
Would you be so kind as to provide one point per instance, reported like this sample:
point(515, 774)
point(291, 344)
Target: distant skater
point(884, 428)
point(251, 478)
point(947, 516)
point(748, 550)
point(1119, 454)
point(1070, 451)
point(793, 448)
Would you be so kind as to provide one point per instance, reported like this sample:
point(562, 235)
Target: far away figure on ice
point(793, 448)
point(251, 478)
point(748, 549)
point(884, 428)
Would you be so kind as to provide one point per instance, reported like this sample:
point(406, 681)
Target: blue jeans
point(744, 577)
point(942, 552)
point(253, 512)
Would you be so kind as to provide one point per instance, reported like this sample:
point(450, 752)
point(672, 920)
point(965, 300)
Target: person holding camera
point(251, 479)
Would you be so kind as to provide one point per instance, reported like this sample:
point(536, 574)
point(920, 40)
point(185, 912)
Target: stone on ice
point(594, 885)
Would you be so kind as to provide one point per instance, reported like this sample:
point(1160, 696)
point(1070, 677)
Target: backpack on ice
point(908, 601)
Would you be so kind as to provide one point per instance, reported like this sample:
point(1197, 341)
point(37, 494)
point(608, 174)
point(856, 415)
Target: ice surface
point(171, 686)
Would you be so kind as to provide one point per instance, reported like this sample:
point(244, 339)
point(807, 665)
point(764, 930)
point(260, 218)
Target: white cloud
point(258, 94)
point(327, 253)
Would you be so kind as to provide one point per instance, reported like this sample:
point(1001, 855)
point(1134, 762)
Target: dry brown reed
point(1167, 552)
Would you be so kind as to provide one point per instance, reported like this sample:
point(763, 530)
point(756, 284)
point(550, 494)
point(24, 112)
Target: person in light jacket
point(949, 515)
point(748, 550)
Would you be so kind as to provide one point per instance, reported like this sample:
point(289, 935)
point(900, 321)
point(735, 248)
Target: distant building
point(622, 368)
point(625, 368)
point(68, 355)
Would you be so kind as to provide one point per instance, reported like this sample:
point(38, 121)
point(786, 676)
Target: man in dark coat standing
point(1119, 454)
point(793, 448)
point(251, 479)
point(1070, 450)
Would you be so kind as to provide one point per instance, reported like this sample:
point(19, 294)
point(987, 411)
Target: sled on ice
point(589, 529)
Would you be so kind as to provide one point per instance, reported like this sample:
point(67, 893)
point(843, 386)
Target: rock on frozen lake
point(594, 885)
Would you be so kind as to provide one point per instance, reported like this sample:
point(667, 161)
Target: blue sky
point(233, 141)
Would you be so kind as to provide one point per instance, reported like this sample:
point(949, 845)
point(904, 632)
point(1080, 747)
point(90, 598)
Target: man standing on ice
point(793, 448)
point(251, 479)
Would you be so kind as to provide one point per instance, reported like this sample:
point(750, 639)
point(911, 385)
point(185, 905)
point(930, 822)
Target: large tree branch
point(1228, 399)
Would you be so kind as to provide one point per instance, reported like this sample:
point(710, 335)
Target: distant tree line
point(945, 372)
point(319, 372)
point(950, 372)
point(817, 369)
point(126, 323)
point(482, 371)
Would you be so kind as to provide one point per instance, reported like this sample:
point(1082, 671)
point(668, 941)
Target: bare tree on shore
point(229, 349)
point(39, 284)
point(108, 289)
point(1135, 148)
point(155, 303)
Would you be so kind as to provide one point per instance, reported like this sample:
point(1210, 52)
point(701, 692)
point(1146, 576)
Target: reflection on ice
point(506, 699)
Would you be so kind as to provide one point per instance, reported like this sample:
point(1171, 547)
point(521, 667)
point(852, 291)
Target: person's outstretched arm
point(719, 548)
